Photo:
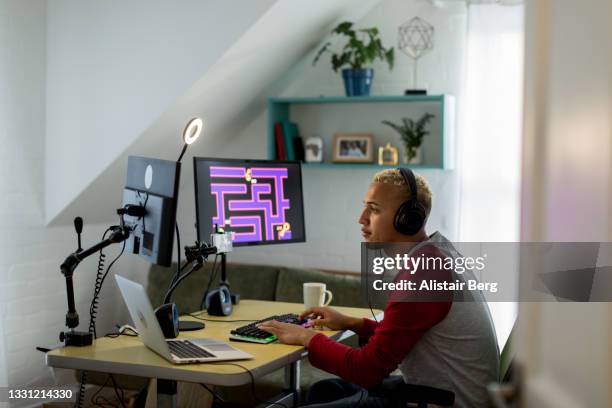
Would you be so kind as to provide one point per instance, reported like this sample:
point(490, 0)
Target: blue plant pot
point(357, 81)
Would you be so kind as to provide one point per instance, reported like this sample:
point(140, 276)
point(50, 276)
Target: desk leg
point(290, 397)
point(166, 393)
point(292, 381)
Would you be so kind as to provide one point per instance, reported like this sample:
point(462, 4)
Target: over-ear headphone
point(411, 215)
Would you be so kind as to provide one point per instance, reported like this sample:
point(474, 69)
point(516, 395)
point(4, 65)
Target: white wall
point(333, 197)
point(45, 48)
point(32, 289)
point(228, 95)
point(114, 67)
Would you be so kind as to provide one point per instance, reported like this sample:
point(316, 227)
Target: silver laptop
point(177, 351)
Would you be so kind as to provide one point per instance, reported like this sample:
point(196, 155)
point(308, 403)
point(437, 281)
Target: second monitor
point(260, 201)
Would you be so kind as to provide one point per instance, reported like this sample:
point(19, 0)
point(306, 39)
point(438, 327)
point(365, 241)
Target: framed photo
point(353, 148)
point(388, 155)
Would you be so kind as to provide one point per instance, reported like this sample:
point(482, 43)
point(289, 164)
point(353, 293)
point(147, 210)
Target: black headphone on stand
point(411, 215)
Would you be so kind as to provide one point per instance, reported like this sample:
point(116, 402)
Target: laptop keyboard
point(186, 349)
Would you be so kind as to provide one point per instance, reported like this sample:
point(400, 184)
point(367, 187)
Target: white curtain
point(491, 118)
point(490, 134)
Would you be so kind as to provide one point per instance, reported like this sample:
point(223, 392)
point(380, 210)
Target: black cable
point(144, 226)
point(93, 308)
point(252, 383)
point(214, 394)
point(81, 393)
point(372, 310)
point(98, 289)
point(102, 401)
point(109, 268)
point(114, 335)
point(178, 253)
point(213, 275)
point(120, 397)
point(93, 398)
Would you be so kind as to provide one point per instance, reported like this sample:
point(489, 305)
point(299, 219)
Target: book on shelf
point(279, 142)
point(298, 148)
point(289, 145)
point(289, 132)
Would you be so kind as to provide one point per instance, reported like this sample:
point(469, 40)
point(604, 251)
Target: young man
point(444, 344)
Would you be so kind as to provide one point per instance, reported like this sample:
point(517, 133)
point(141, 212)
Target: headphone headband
point(410, 216)
point(411, 181)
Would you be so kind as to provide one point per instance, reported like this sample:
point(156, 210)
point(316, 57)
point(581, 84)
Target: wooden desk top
point(128, 355)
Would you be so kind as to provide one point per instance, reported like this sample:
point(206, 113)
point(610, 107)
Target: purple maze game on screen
point(251, 201)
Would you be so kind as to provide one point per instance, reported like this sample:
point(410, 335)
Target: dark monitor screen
point(260, 201)
point(153, 184)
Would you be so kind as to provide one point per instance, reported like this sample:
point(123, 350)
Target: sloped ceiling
point(229, 94)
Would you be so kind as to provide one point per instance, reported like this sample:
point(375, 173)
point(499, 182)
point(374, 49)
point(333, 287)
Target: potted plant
point(361, 49)
point(412, 134)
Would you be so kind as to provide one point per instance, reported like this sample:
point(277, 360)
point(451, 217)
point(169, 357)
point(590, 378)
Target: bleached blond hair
point(394, 176)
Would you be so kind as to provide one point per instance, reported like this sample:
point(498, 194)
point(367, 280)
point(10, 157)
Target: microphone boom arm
point(119, 234)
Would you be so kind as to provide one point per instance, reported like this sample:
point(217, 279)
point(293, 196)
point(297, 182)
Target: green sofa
point(261, 282)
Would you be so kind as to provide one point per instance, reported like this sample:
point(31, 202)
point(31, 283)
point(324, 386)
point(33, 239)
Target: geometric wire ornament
point(415, 38)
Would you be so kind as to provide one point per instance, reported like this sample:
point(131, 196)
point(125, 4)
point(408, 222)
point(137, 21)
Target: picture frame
point(388, 155)
point(353, 148)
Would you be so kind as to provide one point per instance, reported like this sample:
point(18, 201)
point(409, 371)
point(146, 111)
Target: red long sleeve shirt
point(388, 343)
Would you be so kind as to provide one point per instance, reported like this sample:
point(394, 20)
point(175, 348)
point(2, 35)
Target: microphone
point(78, 226)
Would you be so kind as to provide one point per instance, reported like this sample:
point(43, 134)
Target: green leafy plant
point(412, 133)
point(356, 52)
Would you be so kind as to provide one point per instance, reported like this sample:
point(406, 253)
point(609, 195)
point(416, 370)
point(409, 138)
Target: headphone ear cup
point(401, 222)
point(418, 218)
point(409, 218)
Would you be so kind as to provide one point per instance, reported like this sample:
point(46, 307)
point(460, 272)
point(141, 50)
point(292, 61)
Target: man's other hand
point(288, 333)
point(328, 317)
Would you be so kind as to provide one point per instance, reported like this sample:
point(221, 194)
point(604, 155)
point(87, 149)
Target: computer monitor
point(153, 184)
point(259, 201)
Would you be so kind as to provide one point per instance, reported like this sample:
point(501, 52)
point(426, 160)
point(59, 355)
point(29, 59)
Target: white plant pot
point(417, 159)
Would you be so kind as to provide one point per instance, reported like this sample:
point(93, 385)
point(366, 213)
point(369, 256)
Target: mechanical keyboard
point(251, 333)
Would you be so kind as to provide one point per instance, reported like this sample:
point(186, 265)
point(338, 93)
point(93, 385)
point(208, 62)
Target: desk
point(128, 355)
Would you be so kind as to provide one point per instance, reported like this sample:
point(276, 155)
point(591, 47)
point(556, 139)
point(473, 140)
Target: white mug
point(314, 295)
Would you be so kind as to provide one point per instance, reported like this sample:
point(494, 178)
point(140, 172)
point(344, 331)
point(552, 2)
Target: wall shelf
point(362, 166)
point(325, 116)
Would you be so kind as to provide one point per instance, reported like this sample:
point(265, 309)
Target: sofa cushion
point(346, 288)
point(250, 281)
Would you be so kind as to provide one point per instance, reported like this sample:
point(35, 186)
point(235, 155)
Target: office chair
point(419, 395)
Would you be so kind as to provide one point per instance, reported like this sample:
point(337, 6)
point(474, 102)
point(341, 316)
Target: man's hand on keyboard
point(288, 333)
point(331, 318)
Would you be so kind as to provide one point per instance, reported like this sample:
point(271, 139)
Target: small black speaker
point(168, 318)
point(219, 302)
